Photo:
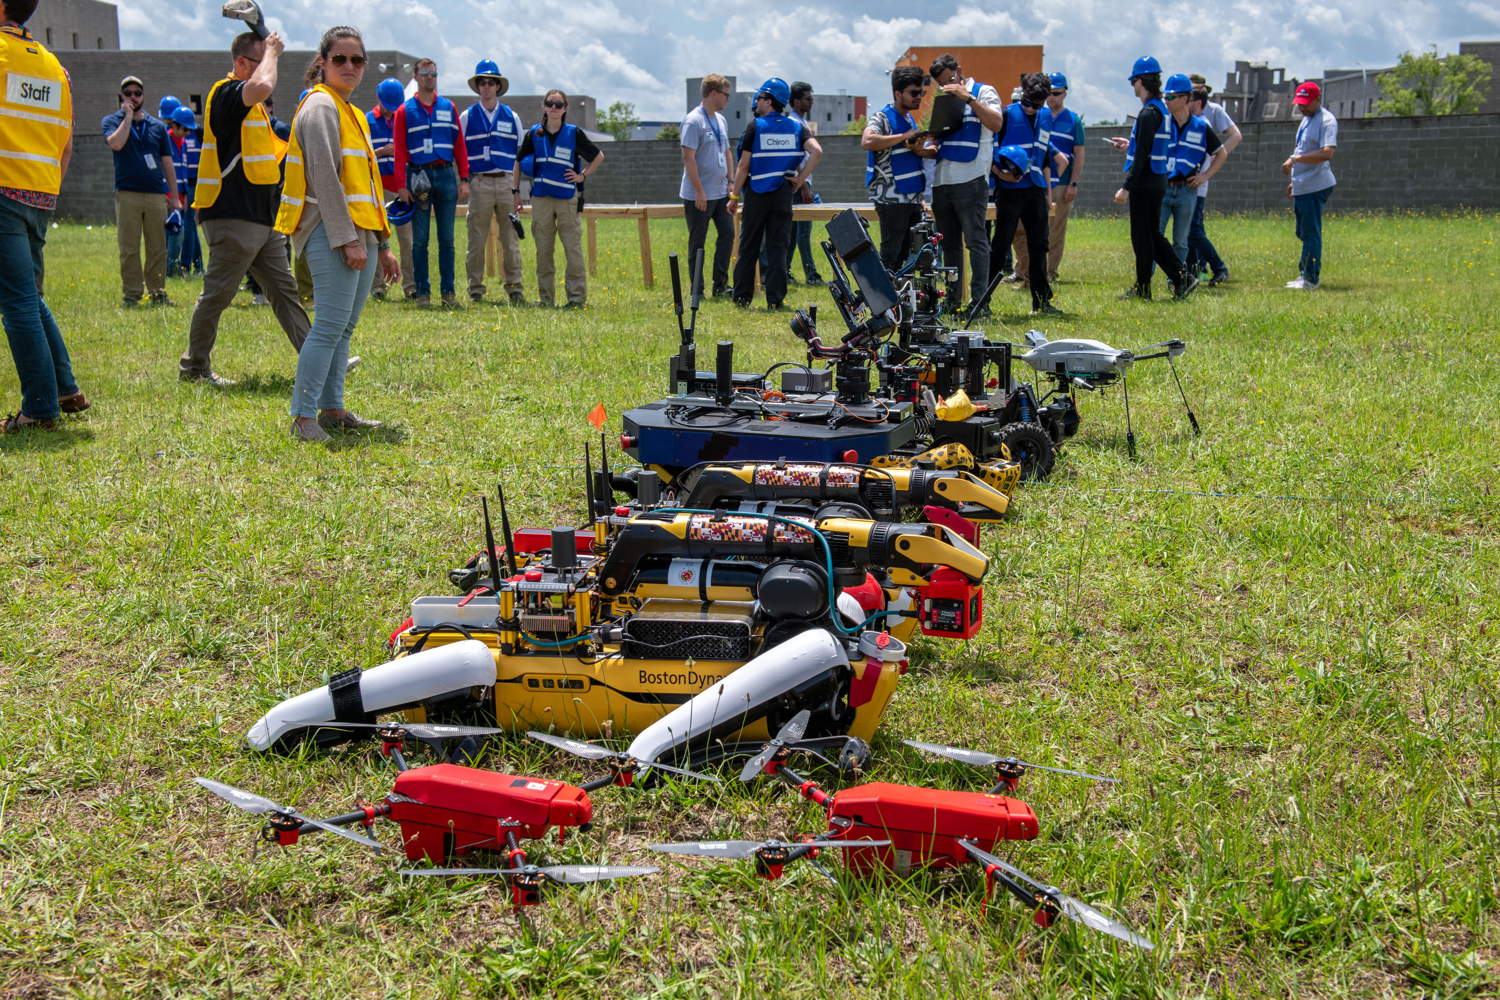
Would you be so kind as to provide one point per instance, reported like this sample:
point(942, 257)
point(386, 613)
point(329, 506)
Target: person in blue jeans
point(1195, 156)
point(332, 209)
point(1311, 171)
point(36, 151)
point(433, 165)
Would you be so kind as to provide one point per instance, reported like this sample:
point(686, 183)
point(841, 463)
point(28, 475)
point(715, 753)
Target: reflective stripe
point(287, 199)
point(360, 197)
point(32, 116)
point(293, 158)
point(33, 157)
point(353, 152)
point(417, 128)
point(258, 159)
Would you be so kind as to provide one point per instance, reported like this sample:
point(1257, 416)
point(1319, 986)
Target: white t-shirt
point(1221, 123)
point(708, 136)
point(1315, 132)
point(953, 172)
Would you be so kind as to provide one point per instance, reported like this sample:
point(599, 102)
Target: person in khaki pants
point(558, 158)
point(145, 186)
point(492, 134)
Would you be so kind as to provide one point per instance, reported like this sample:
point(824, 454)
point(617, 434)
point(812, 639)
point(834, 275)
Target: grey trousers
point(235, 247)
point(959, 210)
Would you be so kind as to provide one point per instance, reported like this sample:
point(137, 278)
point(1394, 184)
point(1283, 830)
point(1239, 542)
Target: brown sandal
point(19, 422)
point(76, 403)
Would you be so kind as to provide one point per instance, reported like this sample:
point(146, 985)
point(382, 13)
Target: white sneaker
point(260, 300)
point(1298, 284)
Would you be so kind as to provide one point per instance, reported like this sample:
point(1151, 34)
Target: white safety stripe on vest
point(230, 165)
point(913, 173)
point(417, 128)
point(360, 153)
point(288, 199)
point(33, 157)
point(32, 116)
point(359, 197)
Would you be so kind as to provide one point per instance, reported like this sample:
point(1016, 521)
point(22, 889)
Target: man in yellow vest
point(36, 142)
point(239, 190)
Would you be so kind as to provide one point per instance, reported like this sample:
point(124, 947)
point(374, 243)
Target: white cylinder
point(399, 683)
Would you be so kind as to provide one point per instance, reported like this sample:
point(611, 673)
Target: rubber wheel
point(1032, 446)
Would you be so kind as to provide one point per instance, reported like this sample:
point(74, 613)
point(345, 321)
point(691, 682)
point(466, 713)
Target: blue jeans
point(1200, 247)
point(36, 343)
point(174, 252)
point(1178, 205)
point(442, 203)
point(192, 247)
point(340, 294)
point(1309, 209)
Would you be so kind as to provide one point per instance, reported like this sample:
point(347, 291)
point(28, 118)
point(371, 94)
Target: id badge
point(150, 162)
point(427, 146)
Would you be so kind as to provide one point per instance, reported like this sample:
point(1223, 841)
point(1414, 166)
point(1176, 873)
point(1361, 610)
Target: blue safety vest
point(963, 146)
point(382, 133)
point(1189, 147)
point(192, 148)
point(430, 139)
point(179, 164)
point(775, 154)
point(491, 145)
point(550, 158)
point(906, 166)
point(1028, 132)
point(1161, 142)
point(1062, 129)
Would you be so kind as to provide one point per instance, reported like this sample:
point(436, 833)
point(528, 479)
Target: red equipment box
point(447, 810)
point(924, 825)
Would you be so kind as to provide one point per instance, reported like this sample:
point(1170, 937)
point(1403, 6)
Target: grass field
point(1283, 636)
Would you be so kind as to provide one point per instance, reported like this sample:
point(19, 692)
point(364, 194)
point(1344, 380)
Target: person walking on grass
point(35, 147)
point(1311, 170)
point(333, 210)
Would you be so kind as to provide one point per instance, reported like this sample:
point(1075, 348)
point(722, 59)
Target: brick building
point(64, 25)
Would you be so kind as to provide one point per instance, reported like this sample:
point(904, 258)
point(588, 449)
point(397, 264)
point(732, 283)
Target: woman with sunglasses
point(558, 158)
point(332, 208)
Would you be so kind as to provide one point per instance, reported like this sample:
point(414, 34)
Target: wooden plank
point(643, 227)
point(592, 225)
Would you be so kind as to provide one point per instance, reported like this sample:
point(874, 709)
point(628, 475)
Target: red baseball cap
point(1307, 93)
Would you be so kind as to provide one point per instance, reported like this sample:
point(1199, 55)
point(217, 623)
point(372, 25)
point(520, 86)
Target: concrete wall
point(1383, 164)
point(62, 25)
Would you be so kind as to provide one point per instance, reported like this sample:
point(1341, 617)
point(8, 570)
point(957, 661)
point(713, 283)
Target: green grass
point(1296, 681)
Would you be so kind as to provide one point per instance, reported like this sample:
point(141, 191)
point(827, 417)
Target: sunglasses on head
point(340, 59)
point(556, 105)
point(133, 93)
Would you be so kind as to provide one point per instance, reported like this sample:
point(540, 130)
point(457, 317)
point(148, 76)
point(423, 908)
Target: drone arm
point(993, 874)
point(365, 814)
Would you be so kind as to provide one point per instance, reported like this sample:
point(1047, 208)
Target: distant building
point(831, 113)
point(1352, 93)
point(64, 25)
point(649, 130)
point(1255, 92)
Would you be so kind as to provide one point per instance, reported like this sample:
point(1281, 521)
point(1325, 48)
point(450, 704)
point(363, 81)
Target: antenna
point(697, 289)
point(677, 293)
point(588, 482)
point(510, 540)
point(489, 542)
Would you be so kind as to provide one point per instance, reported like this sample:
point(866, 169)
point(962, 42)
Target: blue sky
point(642, 53)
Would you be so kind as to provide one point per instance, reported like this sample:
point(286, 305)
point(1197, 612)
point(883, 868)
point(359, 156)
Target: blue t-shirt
point(138, 162)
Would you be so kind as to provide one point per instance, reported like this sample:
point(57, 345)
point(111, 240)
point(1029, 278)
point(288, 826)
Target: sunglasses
point(427, 72)
point(340, 59)
point(555, 105)
point(915, 91)
point(1058, 93)
point(1030, 104)
point(132, 93)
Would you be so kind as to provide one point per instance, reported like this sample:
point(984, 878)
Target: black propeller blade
point(562, 874)
point(260, 805)
point(1050, 897)
point(590, 751)
point(981, 759)
point(794, 730)
point(740, 849)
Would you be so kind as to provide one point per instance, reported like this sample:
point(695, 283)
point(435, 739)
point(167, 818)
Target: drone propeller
point(980, 759)
point(1051, 900)
point(740, 849)
point(422, 730)
point(794, 730)
point(260, 805)
point(1169, 349)
point(624, 761)
point(562, 874)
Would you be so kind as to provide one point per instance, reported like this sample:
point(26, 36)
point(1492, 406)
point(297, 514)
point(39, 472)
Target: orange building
point(1000, 66)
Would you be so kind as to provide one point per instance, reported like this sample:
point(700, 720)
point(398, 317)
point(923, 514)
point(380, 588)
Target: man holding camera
point(960, 185)
point(143, 176)
point(893, 170)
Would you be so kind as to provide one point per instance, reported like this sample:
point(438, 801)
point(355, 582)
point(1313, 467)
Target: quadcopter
point(880, 827)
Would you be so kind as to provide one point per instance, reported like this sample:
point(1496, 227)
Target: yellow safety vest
point(260, 152)
point(359, 173)
point(36, 113)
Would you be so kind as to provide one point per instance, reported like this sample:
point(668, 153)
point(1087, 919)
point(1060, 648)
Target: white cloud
point(642, 53)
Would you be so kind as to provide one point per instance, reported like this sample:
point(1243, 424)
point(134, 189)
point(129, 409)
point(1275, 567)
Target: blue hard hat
point(398, 212)
point(1058, 81)
point(1144, 65)
point(168, 105)
point(174, 221)
point(184, 116)
point(390, 93)
point(1016, 156)
point(1178, 83)
point(779, 90)
point(486, 68)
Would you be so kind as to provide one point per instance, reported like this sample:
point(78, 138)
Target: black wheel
point(1032, 446)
